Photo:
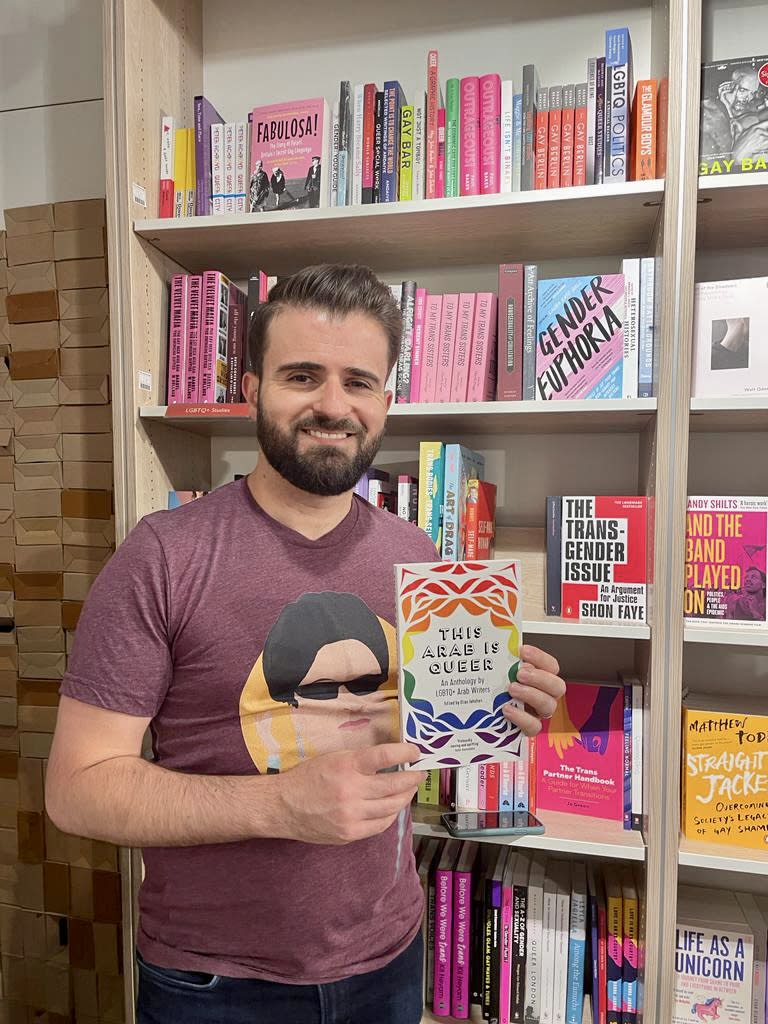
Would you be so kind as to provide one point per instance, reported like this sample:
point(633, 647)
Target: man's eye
point(359, 384)
point(299, 378)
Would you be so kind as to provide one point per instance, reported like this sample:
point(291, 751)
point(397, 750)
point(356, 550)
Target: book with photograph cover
point(733, 137)
point(725, 561)
point(459, 627)
point(289, 156)
point(730, 337)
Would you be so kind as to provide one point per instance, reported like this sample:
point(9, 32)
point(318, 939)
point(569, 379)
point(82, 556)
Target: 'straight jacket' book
point(459, 629)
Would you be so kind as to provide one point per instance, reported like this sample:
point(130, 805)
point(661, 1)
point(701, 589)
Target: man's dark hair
point(336, 288)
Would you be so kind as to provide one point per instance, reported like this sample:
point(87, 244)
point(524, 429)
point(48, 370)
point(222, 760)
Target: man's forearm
point(132, 802)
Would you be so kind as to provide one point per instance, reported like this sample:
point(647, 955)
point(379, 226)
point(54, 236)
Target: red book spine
point(192, 380)
point(542, 128)
point(210, 323)
point(554, 133)
point(580, 137)
point(177, 338)
point(566, 138)
point(433, 103)
point(509, 337)
point(492, 787)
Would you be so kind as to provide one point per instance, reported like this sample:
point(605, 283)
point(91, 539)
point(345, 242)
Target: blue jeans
point(390, 995)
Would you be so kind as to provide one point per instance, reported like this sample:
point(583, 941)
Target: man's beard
point(323, 469)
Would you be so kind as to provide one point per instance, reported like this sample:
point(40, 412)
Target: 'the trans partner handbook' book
point(459, 633)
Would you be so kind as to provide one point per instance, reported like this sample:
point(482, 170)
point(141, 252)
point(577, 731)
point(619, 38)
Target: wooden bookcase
point(159, 53)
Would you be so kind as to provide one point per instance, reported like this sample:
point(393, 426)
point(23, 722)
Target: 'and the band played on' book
point(459, 633)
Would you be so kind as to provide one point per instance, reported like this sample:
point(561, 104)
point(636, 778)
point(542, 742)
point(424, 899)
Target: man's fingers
point(393, 783)
point(542, 703)
point(384, 807)
point(529, 724)
point(539, 659)
point(541, 680)
point(386, 755)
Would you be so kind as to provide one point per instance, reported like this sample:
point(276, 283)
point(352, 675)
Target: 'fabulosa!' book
point(580, 337)
point(725, 548)
point(459, 627)
point(288, 161)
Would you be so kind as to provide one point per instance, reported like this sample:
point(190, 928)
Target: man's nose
point(332, 400)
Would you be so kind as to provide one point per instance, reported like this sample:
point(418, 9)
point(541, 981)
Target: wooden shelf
point(569, 834)
point(611, 219)
point(737, 412)
point(717, 857)
point(731, 211)
point(734, 637)
point(476, 1015)
point(626, 416)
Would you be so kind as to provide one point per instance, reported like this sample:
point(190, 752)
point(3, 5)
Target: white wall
point(51, 102)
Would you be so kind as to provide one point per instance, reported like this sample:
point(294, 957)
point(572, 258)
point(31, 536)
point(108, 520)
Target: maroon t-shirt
point(253, 648)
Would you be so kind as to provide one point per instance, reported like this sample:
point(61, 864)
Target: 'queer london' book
point(734, 117)
point(730, 337)
point(459, 626)
point(725, 561)
point(289, 156)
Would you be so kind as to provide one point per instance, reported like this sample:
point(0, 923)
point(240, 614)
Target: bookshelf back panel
point(728, 464)
point(733, 28)
point(722, 668)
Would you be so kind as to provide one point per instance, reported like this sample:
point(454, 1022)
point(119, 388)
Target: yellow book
point(191, 177)
point(630, 949)
point(406, 153)
point(180, 172)
point(429, 790)
point(725, 770)
point(614, 960)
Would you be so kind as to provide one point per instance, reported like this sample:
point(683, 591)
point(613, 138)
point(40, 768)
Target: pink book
point(463, 348)
point(441, 1003)
point(178, 338)
point(492, 786)
point(447, 340)
point(289, 155)
point(441, 153)
point(432, 317)
point(482, 787)
point(433, 105)
point(462, 914)
point(482, 370)
point(469, 136)
point(509, 380)
point(417, 349)
point(194, 336)
point(490, 134)
point(213, 363)
point(583, 740)
point(505, 973)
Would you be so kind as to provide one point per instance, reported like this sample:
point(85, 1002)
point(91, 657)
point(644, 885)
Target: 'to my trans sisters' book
point(580, 337)
point(459, 626)
point(289, 156)
point(725, 561)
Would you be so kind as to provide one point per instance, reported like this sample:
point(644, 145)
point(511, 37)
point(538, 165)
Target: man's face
point(321, 406)
point(747, 87)
point(753, 581)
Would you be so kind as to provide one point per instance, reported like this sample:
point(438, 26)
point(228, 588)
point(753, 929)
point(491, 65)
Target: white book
point(229, 167)
point(549, 944)
point(759, 926)
point(467, 788)
point(562, 875)
point(334, 177)
point(241, 167)
point(577, 944)
point(636, 785)
point(507, 134)
point(730, 338)
point(357, 145)
point(534, 936)
point(591, 117)
point(167, 147)
point(521, 778)
point(397, 295)
point(217, 168)
point(517, 141)
point(417, 188)
point(645, 357)
point(631, 270)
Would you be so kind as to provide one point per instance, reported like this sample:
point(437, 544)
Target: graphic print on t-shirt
point(325, 681)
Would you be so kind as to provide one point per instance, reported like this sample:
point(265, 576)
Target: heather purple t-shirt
point(207, 619)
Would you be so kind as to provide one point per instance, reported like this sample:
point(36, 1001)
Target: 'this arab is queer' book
point(459, 626)
point(603, 558)
point(725, 561)
point(580, 337)
point(289, 156)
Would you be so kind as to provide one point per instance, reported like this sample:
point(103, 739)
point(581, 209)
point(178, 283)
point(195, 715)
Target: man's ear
point(251, 391)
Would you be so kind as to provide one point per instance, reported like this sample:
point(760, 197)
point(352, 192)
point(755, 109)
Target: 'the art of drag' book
point(459, 633)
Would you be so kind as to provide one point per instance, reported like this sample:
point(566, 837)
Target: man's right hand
point(342, 797)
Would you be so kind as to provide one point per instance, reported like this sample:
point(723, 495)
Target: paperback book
point(733, 137)
point(459, 627)
point(730, 338)
point(289, 156)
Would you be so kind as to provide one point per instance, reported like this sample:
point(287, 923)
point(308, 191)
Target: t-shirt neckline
point(337, 535)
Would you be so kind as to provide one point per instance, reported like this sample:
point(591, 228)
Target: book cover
point(554, 138)
point(517, 141)
point(433, 105)
point(631, 924)
point(419, 142)
point(643, 138)
point(178, 338)
point(215, 328)
point(444, 926)
point(600, 120)
point(591, 118)
point(535, 937)
point(426, 864)
point(462, 352)
point(580, 135)
point(194, 340)
point(509, 361)
point(627, 752)
point(467, 788)
point(369, 129)
point(506, 944)
point(483, 371)
point(580, 337)
point(490, 134)
point(579, 754)
point(358, 118)
point(577, 944)
point(229, 167)
point(562, 876)
point(530, 312)
point(614, 963)
point(235, 344)
point(462, 915)
point(432, 318)
point(734, 108)
point(344, 168)
point(730, 337)
point(519, 935)
point(431, 477)
point(205, 115)
point(218, 192)
point(492, 786)
point(638, 701)
point(469, 136)
point(521, 777)
point(507, 785)
point(405, 187)
point(725, 770)
point(480, 518)
point(441, 153)
point(566, 136)
point(417, 349)
point(289, 152)
point(645, 355)
point(492, 943)
point(180, 147)
point(630, 270)
point(542, 139)
point(725, 561)
point(604, 560)
point(452, 143)
point(461, 464)
point(758, 925)
point(378, 143)
point(529, 114)
point(408, 308)
point(394, 100)
point(459, 627)
point(167, 150)
point(618, 73)
point(553, 580)
point(407, 497)
point(596, 920)
point(447, 342)
point(507, 133)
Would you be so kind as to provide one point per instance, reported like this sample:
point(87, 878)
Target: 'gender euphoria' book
point(459, 627)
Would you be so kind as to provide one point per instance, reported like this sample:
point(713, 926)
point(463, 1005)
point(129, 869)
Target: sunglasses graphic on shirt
point(328, 689)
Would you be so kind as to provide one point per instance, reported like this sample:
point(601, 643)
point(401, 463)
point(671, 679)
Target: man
point(312, 183)
point(258, 191)
point(252, 630)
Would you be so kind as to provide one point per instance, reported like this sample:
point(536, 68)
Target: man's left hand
point(539, 688)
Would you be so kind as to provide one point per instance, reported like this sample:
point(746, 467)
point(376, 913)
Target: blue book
point(553, 597)
point(577, 944)
point(530, 291)
point(593, 881)
point(461, 464)
point(394, 100)
point(618, 100)
point(627, 756)
point(647, 327)
point(517, 141)
point(431, 476)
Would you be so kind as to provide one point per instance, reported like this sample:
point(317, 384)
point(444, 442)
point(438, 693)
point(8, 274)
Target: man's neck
point(311, 515)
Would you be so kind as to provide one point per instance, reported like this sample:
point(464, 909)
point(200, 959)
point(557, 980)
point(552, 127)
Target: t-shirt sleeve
point(121, 658)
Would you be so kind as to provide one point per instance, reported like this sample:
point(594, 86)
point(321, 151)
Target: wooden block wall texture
point(60, 895)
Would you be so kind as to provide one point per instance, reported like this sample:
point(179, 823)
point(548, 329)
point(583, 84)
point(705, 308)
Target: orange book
point(554, 134)
point(541, 139)
point(643, 142)
point(480, 519)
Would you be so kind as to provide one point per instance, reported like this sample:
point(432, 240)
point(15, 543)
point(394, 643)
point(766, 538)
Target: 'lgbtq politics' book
point(730, 337)
point(580, 337)
point(734, 99)
point(725, 770)
point(725, 561)
point(459, 627)
point(289, 156)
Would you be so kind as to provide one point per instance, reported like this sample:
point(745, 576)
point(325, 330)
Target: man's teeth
point(324, 433)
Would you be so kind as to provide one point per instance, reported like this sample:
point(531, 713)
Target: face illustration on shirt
point(325, 681)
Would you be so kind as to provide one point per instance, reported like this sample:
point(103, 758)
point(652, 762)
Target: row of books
point(526, 937)
point(587, 760)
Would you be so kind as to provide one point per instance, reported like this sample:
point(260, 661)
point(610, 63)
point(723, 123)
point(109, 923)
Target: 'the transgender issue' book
point(459, 630)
